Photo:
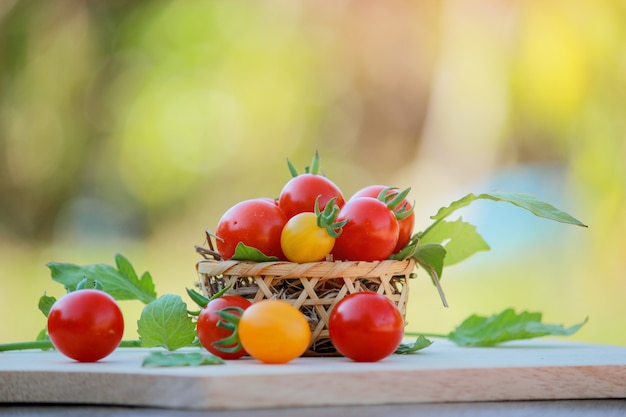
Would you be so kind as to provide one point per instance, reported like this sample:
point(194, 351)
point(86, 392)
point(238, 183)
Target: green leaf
point(460, 239)
point(431, 255)
point(43, 335)
point(248, 253)
point(122, 284)
point(165, 323)
point(45, 304)
point(169, 359)
point(431, 258)
point(42, 338)
point(504, 327)
point(145, 282)
point(407, 348)
point(89, 283)
point(200, 300)
point(526, 201)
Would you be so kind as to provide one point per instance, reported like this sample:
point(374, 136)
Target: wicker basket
point(314, 288)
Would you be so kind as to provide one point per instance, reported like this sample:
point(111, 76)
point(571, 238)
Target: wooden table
point(565, 408)
point(443, 379)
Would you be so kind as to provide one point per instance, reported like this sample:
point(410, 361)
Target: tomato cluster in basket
point(311, 221)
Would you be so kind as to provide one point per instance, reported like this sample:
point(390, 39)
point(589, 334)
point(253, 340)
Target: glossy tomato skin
point(208, 330)
point(405, 226)
point(257, 223)
point(86, 325)
point(302, 240)
point(370, 234)
point(299, 193)
point(366, 327)
point(273, 331)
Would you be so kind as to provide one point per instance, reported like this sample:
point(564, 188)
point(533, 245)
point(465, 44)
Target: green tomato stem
point(292, 169)
point(230, 317)
point(429, 228)
point(46, 344)
point(396, 198)
point(89, 283)
point(315, 164)
point(197, 298)
point(437, 335)
point(327, 219)
point(36, 344)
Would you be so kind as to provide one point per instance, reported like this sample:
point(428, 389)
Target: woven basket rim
point(323, 269)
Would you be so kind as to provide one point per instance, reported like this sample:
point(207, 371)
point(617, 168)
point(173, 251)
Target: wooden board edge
point(322, 389)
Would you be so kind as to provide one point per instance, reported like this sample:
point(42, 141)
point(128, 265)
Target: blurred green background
point(130, 127)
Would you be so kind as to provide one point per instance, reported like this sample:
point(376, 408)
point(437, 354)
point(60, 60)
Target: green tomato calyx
point(395, 201)
point(314, 168)
point(89, 283)
point(327, 219)
point(230, 321)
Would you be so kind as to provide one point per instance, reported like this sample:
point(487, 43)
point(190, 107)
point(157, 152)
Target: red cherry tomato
point(86, 325)
point(300, 192)
point(405, 225)
point(208, 330)
point(257, 223)
point(366, 327)
point(370, 234)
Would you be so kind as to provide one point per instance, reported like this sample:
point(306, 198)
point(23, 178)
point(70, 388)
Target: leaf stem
point(36, 344)
point(417, 334)
point(130, 343)
point(429, 228)
point(46, 344)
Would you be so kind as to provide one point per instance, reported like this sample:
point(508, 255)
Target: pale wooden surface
point(562, 408)
point(443, 373)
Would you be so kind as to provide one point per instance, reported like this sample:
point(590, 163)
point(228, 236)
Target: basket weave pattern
point(314, 288)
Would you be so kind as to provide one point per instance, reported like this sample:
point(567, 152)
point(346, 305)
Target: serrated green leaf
point(127, 269)
point(526, 201)
point(407, 348)
point(506, 326)
point(147, 284)
point(45, 304)
point(460, 239)
point(122, 285)
point(248, 253)
point(166, 323)
point(170, 359)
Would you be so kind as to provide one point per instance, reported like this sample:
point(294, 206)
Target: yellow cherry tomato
point(302, 240)
point(274, 331)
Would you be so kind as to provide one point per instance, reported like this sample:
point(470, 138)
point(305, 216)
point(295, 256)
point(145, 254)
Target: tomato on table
point(86, 325)
point(210, 331)
point(274, 331)
point(257, 223)
point(366, 326)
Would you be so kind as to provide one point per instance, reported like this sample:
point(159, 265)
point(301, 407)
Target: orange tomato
point(274, 331)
